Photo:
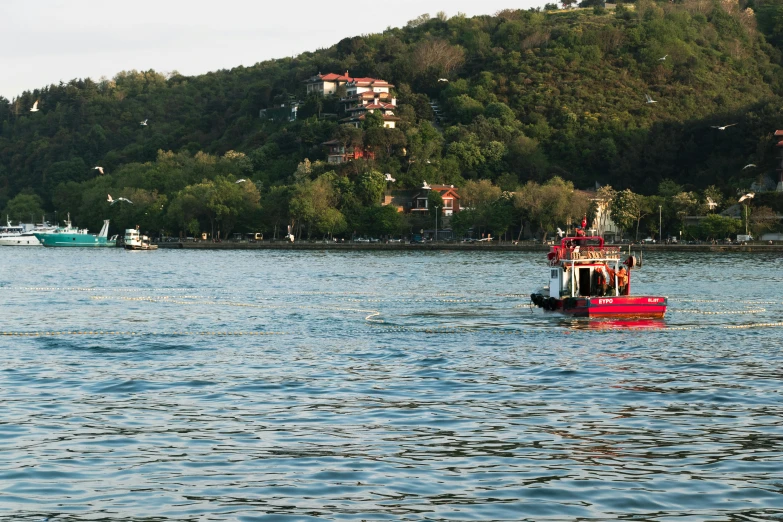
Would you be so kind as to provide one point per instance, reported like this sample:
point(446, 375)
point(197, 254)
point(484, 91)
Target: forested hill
point(530, 95)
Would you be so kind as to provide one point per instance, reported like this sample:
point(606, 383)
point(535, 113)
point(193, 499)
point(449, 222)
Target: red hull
point(614, 307)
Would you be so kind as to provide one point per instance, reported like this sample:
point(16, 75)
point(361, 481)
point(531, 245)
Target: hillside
point(530, 95)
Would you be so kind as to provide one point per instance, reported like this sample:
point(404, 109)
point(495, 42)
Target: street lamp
point(660, 229)
point(437, 211)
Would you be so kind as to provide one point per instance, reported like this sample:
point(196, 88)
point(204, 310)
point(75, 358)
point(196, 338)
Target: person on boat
point(599, 281)
point(580, 233)
point(622, 281)
point(584, 222)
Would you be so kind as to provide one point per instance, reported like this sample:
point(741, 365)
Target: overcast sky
point(46, 41)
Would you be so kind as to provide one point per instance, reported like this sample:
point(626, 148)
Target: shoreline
point(466, 247)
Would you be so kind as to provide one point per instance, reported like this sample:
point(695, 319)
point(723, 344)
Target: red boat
point(587, 279)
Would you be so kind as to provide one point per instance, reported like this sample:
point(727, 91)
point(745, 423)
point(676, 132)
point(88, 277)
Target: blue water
point(271, 385)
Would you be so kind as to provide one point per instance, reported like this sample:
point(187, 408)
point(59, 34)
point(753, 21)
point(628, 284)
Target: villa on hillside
point(325, 84)
point(362, 95)
point(365, 95)
point(339, 153)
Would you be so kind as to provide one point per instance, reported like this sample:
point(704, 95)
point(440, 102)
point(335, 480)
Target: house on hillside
point(417, 200)
point(338, 153)
point(285, 112)
point(325, 84)
point(365, 95)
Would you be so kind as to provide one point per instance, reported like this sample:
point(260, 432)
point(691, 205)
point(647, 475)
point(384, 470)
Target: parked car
point(361, 240)
point(648, 240)
point(395, 240)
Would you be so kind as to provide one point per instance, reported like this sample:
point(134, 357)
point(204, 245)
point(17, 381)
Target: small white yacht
point(23, 234)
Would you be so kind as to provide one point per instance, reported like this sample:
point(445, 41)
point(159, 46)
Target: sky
point(47, 41)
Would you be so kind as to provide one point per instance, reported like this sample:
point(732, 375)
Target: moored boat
point(134, 240)
point(22, 234)
point(70, 236)
point(588, 279)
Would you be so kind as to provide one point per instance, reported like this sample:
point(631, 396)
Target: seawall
point(467, 247)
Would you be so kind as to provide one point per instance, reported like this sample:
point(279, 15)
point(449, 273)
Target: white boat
point(23, 234)
point(135, 241)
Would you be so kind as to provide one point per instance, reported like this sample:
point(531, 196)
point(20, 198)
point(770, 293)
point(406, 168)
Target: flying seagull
point(649, 100)
point(443, 80)
point(112, 201)
point(388, 177)
point(143, 122)
point(749, 165)
point(99, 169)
point(663, 59)
point(240, 180)
point(35, 107)
point(711, 203)
point(749, 195)
point(724, 127)
point(560, 232)
point(425, 185)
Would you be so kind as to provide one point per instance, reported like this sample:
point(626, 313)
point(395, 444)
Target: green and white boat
point(69, 236)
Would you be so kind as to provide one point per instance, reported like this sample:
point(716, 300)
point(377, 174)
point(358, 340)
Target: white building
point(325, 84)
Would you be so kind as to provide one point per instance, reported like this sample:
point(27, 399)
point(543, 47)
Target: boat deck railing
point(582, 253)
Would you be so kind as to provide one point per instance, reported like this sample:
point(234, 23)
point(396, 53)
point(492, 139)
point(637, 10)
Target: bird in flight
point(143, 123)
point(723, 127)
point(112, 201)
point(35, 107)
point(749, 165)
point(663, 58)
point(425, 185)
point(443, 80)
point(560, 232)
point(388, 177)
point(99, 169)
point(711, 203)
point(749, 195)
point(649, 100)
point(240, 180)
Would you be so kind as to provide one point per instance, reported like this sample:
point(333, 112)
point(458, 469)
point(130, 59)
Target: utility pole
point(660, 229)
point(437, 211)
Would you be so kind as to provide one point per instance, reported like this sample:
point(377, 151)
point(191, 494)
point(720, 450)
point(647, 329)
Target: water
point(185, 385)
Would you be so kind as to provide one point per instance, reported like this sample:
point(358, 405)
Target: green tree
point(435, 204)
point(372, 120)
point(628, 210)
point(550, 205)
point(370, 186)
point(24, 207)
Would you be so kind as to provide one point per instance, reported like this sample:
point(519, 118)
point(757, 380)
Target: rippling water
point(184, 385)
